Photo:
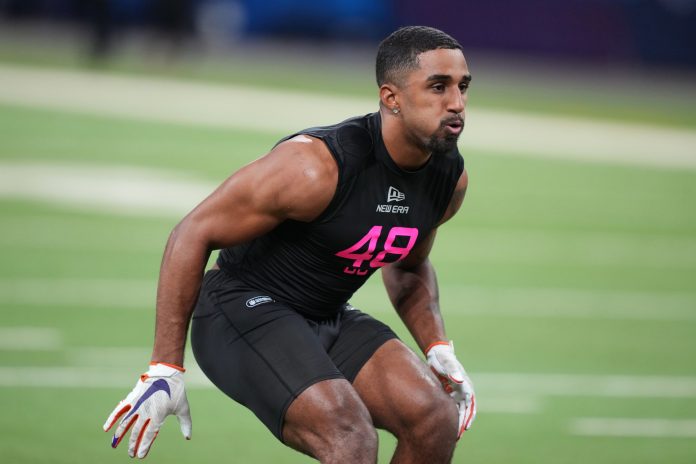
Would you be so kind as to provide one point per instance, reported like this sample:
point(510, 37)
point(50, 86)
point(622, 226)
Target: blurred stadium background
point(568, 280)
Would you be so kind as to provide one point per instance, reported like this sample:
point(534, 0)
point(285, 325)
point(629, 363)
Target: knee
point(338, 434)
point(432, 422)
point(353, 433)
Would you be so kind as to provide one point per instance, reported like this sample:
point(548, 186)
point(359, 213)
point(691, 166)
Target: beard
point(442, 141)
point(439, 143)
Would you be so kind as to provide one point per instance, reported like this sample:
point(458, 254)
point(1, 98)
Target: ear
point(388, 96)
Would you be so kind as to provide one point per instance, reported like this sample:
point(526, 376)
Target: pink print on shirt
point(369, 243)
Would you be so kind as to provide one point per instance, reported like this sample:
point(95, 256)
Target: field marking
point(505, 302)
point(639, 428)
point(507, 404)
point(587, 385)
point(563, 303)
point(169, 194)
point(603, 313)
point(139, 294)
point(65, 232)
point(492, 385)
point(572, 303)
point(110, 189)
point(246, 107)
point(79, 293)
point(581, 248)
point(30, 339)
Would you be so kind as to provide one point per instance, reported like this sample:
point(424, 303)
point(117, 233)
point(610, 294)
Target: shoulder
point(303, 170)
point(303, 175)
point(347, 140)
point(294, 181)
point(304, 155)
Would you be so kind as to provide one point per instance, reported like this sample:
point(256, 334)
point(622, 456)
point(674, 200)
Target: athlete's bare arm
point(412, 285)
point(296, 180)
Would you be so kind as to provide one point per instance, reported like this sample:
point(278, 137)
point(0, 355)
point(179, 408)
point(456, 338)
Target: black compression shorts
point(263, 353)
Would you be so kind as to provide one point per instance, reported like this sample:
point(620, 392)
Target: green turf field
point(568, 287)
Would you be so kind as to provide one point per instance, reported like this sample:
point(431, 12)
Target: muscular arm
point(412, 284)
point(294, 181)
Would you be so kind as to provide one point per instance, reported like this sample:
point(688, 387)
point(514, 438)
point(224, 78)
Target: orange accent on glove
point(173, 366)
point(440, 342)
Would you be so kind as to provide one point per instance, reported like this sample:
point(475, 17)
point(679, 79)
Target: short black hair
point(399, 52)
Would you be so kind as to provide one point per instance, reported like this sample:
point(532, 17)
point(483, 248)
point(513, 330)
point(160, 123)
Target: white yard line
point(110, 189)
point(571, 303)
point(594, 248)
point(30, 339)
point(638, 428)
point(506, 393)
point(171, 194)
point(491, 385)
point(563, 303)
point(499, 387)
point(89, 377)
point(280, 112)
point(587, 385)
point(529, 310)
point(509, 403)
point(79, 293)
point(494, 396)
point(534, 303)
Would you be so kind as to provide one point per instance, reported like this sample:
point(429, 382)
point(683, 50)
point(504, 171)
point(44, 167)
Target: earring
point(395, 110)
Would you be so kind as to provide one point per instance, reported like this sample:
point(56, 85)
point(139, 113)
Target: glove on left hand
point(451, 374)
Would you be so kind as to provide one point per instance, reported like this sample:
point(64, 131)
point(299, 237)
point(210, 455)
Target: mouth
point(454, 126)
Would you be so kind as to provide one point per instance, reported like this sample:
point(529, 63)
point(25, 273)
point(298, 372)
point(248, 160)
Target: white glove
point(159, 393)
point(454, 380)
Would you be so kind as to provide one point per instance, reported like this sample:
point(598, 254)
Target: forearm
point(180, 278)
point(414, 294)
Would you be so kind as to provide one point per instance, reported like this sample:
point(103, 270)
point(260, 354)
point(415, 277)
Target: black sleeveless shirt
point(377, 215)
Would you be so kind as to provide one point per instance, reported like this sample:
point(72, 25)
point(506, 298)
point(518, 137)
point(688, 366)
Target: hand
point(159, 393)
point(451, 374)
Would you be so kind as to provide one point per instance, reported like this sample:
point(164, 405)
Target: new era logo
point(394, 195)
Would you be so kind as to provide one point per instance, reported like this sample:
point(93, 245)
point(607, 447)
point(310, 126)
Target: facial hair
point(440, 141)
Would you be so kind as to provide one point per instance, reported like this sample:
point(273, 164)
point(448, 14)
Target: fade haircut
point(399, 52)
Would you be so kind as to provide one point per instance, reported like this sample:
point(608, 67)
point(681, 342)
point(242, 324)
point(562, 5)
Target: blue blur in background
point(605, 31)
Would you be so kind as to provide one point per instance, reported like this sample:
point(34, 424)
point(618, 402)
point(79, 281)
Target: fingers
point(452, 368)
point(123, 429)
point(470, 413)
point(467, 414)
point(119, 411)
point(185, 423)
point(136, 439)
point(447, 365)
point(145, 447)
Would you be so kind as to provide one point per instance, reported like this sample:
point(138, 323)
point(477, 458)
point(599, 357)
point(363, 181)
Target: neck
point(406, 152)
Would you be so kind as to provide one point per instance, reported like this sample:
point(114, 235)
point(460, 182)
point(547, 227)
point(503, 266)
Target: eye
point(463, 87)
point(438, 87)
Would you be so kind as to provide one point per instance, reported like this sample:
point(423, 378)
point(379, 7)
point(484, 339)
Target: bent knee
point(332, 428)
point(338, 432)
point(431, 419)
point(351, 430)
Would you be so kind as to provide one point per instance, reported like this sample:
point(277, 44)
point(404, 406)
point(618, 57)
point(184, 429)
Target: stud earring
point(395, 110)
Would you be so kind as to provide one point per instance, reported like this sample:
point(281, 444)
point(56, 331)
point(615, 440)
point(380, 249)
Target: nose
point(457, 101)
